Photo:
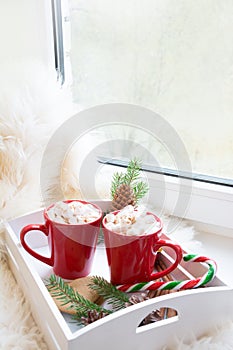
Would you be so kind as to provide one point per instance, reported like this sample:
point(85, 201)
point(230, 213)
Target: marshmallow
point(131, 222)
point(73, 213)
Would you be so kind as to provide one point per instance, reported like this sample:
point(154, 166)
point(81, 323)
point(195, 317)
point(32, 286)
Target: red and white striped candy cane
point(176, 285)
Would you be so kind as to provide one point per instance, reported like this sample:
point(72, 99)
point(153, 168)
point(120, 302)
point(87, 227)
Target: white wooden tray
point(197, 310)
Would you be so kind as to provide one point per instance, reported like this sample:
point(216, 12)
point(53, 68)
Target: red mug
point(131, 259)
point(72, 246)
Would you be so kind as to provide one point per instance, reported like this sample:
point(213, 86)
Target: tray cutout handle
point(157, 318)
point(35, 227)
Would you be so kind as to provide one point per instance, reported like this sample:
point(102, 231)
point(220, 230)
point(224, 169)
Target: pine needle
point(133, 171)
point(117, 180)
point(67, 295)
point(140, 189)
point(109, 292)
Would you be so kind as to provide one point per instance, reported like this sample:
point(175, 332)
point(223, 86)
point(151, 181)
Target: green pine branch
point(86, 311)
point(117, 180)
point(140, 190)
point(130, 178)
point(109, 292)
point(67, 295)
point(133, 171)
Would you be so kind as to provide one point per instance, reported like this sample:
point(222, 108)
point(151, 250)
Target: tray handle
point(197, 310)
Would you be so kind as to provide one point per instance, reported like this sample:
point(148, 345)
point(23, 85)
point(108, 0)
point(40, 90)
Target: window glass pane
point(174, 57)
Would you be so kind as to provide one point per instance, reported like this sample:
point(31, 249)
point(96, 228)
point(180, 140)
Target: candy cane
point(176, 285)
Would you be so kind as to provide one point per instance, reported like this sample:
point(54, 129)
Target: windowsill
point(220, 249)
point(208, 212)
point(207, 204)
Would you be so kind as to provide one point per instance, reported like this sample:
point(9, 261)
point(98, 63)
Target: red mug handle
point(179, 256)
point(35, 227)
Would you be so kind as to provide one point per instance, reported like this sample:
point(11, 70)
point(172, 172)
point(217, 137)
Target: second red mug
point(131, 259)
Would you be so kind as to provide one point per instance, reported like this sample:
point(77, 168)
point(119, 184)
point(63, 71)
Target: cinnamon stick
point(164, 312)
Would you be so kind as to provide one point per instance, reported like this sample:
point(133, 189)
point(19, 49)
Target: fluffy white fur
point(32, 106)
point(219, 338)
point(18, 329)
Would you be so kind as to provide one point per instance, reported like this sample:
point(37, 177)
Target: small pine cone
point(152, 317)
point(124, 195)
point(92, 316)
point(136, 298)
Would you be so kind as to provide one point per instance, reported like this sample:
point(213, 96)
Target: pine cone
point(136, 298)
point(124, 195)
point(92, 316)
point(152, 317)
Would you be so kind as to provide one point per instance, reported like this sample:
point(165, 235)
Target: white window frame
point(210, 206)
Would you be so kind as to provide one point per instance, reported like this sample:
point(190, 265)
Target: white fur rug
point(31, 107)
point(18, 329)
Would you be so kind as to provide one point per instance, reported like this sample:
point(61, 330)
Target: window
point(175, 58)
point(58, 39)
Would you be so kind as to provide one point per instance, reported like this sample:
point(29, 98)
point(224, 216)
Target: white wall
point(25, 32)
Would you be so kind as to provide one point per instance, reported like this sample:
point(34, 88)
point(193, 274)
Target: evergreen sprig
point(67, 295)
point(117, 180)
point(140, 188)
point(86, 311)
point(109, 292)
point(133, 171)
